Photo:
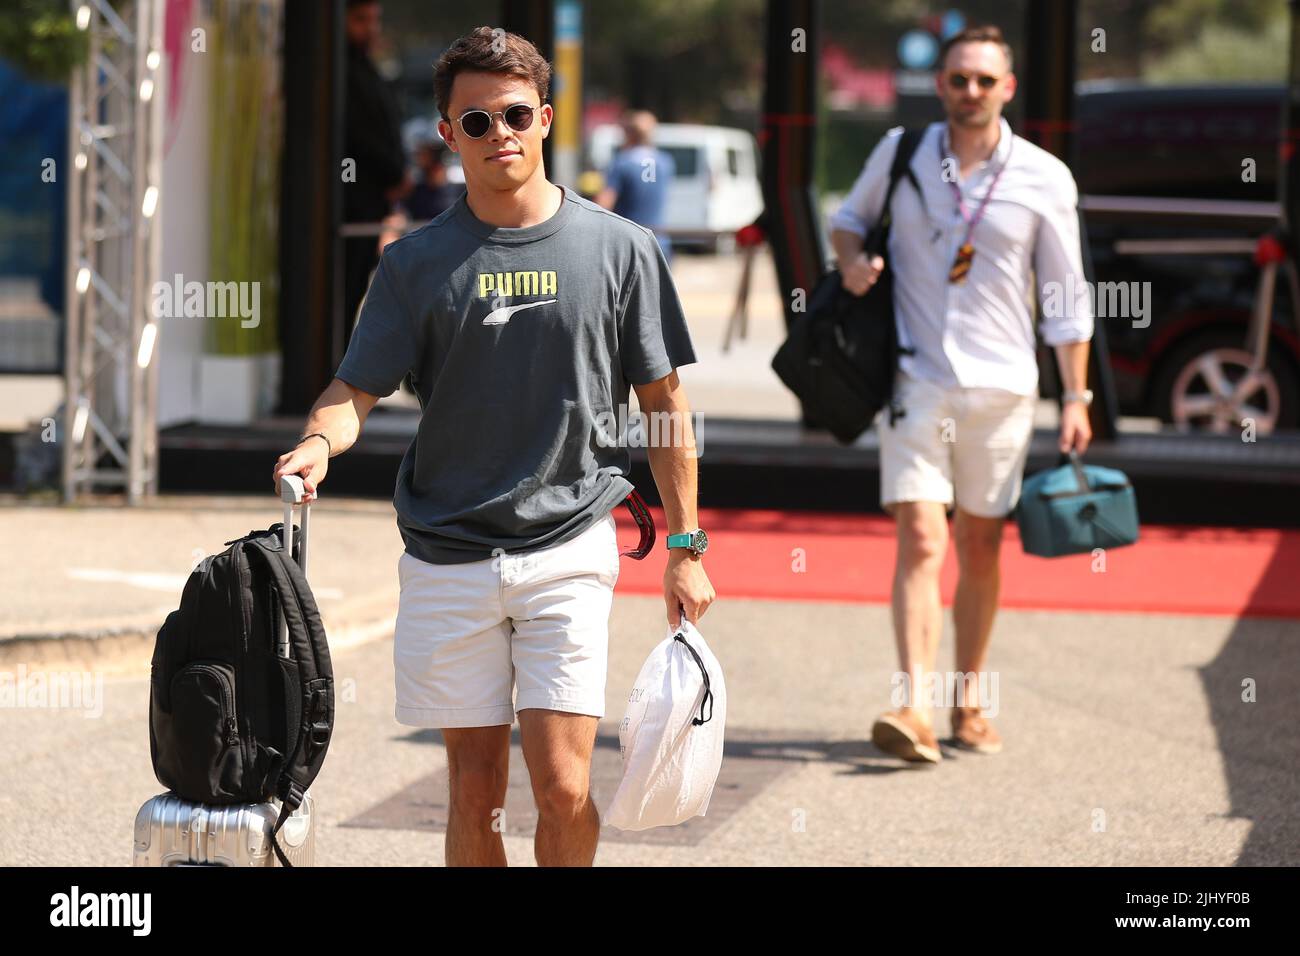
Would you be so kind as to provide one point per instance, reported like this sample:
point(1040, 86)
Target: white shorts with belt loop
point(962, 446)
point(477, 642)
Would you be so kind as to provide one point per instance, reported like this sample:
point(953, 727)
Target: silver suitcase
point(170, 831)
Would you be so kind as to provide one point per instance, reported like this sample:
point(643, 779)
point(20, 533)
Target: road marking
point(149, 581)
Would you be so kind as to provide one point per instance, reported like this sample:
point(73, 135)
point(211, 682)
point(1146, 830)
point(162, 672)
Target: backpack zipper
point(238, 565)
point(231, 723)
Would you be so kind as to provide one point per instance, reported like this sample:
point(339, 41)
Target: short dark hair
point(981, 34)
point(488, 50)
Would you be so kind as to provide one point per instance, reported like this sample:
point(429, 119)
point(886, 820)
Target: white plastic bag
point(671, 735)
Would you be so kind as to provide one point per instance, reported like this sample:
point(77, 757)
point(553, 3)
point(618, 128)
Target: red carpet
point(828, 557)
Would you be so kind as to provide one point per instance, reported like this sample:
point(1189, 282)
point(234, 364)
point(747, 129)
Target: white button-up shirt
point(978, 334)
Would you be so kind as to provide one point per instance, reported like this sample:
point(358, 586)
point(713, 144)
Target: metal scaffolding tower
point(116, 106)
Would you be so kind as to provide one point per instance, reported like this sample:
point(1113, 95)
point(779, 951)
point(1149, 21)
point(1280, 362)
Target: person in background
point(434, 193)
point(995, 216)
point(372, 140)
point(636, 183)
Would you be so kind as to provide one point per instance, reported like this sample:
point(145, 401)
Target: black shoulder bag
point(842, 354)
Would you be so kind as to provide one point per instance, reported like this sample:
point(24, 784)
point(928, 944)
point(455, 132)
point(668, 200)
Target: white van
point(716, 188)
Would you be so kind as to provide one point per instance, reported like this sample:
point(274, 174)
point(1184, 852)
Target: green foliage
point(688, 60)
point(1225, 53)
point(1175, 22)
point(245, 112)
point(40, 38)
point(844, 140)
point(1185, 41)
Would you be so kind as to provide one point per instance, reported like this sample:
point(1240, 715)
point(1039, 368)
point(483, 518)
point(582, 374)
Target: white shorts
point(956, 445)
point(538, 622)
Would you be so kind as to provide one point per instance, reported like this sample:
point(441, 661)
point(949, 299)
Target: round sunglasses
point(959, 81)
point(476, 123)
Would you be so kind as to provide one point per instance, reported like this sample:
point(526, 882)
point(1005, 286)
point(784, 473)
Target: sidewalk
point(91, 585)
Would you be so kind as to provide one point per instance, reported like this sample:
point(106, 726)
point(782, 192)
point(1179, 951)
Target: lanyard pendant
point(961, 265)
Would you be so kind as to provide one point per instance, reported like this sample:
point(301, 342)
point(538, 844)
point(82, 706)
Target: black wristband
point(329, 449)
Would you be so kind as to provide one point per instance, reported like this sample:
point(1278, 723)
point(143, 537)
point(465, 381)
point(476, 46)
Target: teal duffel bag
point(1076, 508)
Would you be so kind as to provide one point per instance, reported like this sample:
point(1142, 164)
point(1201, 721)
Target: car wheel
point(1206, 384)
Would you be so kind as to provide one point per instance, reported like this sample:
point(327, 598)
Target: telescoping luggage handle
point(291, 493)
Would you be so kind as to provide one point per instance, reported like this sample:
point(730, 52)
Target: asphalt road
point(1127, 743)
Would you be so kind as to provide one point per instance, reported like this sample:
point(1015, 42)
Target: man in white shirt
point(994, 212)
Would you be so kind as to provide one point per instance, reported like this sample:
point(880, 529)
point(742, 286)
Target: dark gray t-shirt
point(521, 345)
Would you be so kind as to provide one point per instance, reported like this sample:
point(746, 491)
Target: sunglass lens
point(475, 123)
point(519, 117)
point(959, 81)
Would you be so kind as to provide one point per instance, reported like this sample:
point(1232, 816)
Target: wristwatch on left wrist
point(1082, 395)
point(696, 542)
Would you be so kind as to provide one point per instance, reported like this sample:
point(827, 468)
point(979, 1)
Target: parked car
point(1167, 201)
point(716, 189)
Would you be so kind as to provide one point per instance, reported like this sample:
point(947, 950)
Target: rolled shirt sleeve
point(653, 338)
point(383, 347)
point(866, 200)
point(1067, 314)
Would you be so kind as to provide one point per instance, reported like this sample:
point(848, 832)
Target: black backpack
point(842, 354)
point(230, 720)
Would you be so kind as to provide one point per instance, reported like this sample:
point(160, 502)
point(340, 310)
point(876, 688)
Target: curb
point(127, 648)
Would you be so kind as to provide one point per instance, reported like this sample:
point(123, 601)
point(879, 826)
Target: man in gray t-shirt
point(524, 317)
point(521, 344)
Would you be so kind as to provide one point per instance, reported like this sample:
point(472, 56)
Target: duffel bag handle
point(1080, 476)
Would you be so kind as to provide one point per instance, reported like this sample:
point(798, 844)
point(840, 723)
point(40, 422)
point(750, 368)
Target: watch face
point(700, 542)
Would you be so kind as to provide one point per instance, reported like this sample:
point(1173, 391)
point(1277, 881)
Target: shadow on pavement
point(746, 744)
point(1260, 740)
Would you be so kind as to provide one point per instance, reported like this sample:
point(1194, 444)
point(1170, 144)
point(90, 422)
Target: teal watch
point(697, 542)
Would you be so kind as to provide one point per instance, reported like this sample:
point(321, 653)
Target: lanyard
point(966, 253)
